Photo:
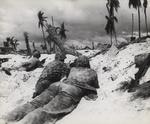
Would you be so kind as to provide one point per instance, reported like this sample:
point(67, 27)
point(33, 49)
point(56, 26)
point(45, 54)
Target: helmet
point(60, 56)
point(82, 61)
point(36, 54)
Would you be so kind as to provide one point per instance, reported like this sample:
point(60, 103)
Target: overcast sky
point(83, 18)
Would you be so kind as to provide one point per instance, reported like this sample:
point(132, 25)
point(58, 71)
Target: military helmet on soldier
point(36, 54)
point(60, 56)
point(82, 61)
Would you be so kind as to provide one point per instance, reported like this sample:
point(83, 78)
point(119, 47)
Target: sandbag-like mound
point(143, 91)
point(141, 59)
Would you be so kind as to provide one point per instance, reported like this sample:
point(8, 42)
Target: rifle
point(6, 70)
point(2, 60)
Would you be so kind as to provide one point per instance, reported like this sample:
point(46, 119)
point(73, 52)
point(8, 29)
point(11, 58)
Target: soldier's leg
point(39, 101)
point(56, 109)
point(35, 117)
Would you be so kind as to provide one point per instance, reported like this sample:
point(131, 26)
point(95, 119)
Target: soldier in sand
point(53, 72)
point(61, 97)
point(30, 65)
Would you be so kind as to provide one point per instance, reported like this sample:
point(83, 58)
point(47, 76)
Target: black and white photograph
point(74, 61)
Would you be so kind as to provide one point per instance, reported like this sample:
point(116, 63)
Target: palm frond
point(145, 3)
point(41, 18)
point(12, 38)
point(116, 5)
point(134, 3)
point(8, 39)
point(115, 18)
point(107, 17)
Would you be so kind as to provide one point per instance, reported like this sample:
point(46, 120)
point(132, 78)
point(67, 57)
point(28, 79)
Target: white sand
point(110, 107)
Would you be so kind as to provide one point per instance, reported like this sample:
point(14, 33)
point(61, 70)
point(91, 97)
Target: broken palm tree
point(53, 35)
point(26, 37)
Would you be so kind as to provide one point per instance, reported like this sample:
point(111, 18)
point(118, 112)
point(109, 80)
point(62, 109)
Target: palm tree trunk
point(132, 23)
point(54, 47)
point(15, 48)
point(28, 47)
point(27, 43)
point(53, 42)
point(49, 43)
point(44, 39)
point(93, 47)
point(111, 38)
point(52, 21)
point(34, 48)
point(116, 38)
point(146, 20)
point(139, 19)
point(115, 34)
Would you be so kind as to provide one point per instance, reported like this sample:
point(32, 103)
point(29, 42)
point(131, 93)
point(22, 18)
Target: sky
point(85, 19)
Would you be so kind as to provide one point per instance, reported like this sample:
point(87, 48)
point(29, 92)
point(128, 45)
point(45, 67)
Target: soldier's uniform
point(60, 98)
point(32, 64)
point(53, 72)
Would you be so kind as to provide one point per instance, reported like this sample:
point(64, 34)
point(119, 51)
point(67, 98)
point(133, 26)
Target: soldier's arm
point(24, 64)
point(66, 71)
point(90, 95)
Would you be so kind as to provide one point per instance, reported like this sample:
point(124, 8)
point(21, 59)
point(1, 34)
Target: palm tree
point(111, 19)
point(136, 4)
point(26, 37)
point(14, 43)
point(110, 27)
point(11, 42)
point(42, 20)
point(145, 3)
